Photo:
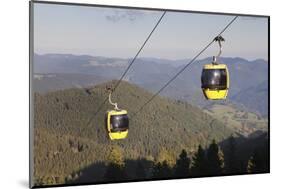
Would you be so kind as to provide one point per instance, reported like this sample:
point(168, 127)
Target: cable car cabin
point(215, 81)
point(117, 123)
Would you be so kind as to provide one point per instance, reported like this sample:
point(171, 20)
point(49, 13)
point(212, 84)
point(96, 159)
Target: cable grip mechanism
point(109, 99)
point(218, 39)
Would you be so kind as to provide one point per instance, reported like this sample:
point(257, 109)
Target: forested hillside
point(69, 144)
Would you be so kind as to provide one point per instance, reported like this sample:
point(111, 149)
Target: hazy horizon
point(147, 57)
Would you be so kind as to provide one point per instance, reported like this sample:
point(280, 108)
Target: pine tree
point(214, 159)
point(182, 165)
point(166, 169)
point(231, 162)
point(140, 170)
point(251, 165)
point(116, 156)
point(258, 162)
point(156, 171)
point(161, 170)
point(165, 155)
point(116, 167)
point(199, 167)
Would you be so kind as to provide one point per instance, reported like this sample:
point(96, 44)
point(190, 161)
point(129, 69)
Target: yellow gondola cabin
point(215, 81)
point(117, 122)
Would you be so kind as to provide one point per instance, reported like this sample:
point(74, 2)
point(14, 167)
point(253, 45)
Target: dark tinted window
point(214, 78)
point(119, 122)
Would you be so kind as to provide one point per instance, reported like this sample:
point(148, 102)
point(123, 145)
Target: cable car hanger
point(219, 39)
point(117, 121)
point(114, 104)
point(215, 77)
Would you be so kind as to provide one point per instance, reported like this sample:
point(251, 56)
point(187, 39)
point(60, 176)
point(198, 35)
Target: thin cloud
point(129, 15)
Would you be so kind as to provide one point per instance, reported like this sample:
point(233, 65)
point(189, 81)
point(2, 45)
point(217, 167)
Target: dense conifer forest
point(168, 139)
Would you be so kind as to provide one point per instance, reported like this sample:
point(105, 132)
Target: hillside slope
point(67, 141)
point(243, 122)
point(255, 98)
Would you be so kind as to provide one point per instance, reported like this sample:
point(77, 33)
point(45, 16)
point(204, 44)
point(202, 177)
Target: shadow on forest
point(239, 155)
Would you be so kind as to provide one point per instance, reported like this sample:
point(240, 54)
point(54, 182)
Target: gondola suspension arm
point(112, 103)
point(218, 39)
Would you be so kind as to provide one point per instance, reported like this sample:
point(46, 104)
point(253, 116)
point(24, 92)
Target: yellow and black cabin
point(215, 81)
point(117, 123)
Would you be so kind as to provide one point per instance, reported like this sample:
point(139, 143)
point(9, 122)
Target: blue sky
point(120, 32)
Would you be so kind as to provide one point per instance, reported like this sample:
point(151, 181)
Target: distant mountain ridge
point(152, 73)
